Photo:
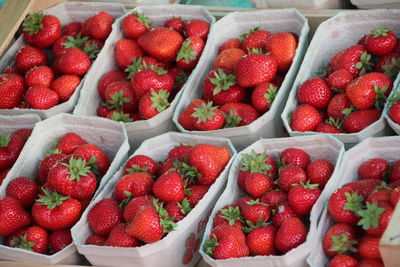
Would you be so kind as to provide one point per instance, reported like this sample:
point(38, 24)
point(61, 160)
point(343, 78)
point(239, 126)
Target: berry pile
point(361, 211)
point(10, 148)
point(151, 197)
point(354, 89)
point(36, 82)
point(243, 82)
point(37, 214)
point(153, 63)
point(270, 220)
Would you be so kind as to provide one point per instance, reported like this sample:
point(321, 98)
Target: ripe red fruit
point(354, 59)
point(169, 187)
point(273, 197)
point(185, 118)
point(72, 28)
point(135, 24)
point(207, 118)
point(151, 78)
point(95, 157)
point(133, 185)
point(141, 163)
point(282, 213)
point(24, 190)
point(380, 41)
point(39, 97)
point(100, 25)
point(33, 238)
point(229, 44)
point(256, 38)
point(343, 205)
point(315, 92)
point(153, 103)
point(339, 79)
point(368, 248)
point(65, 86)
point(374, 168)
point(282, 46)
point(119, 238)
point(339, 239)
point(375, 218)
point(58, 240)
point(69, 142)
point(263, 96)
point(197, 27)
point(13, 216)
point(74, 61)
point(305, 118)
point(96, 240)
point(28, 57)
point(228, 58)
point(11, 90)
point(238, 114)
point(358, 120)
point(119, 95)
point(108, 78)
point(319, 171)
point(295, 157)
point(41, 30)
point(256, 184)
point(394, 112)
point(175, 23)
point(394, 174)
point(303, 196)
point(189, 53)
point(39, 76)
point(344, 261)
point(339, 106)
point(230, 215)
point(291, 234)
point(104, 215)
point(261, 241)
point(126, 51)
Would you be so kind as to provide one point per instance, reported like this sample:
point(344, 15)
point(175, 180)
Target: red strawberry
point(339, 239)
point(374, 168)
point(153, 103)
point(65, 86)
point(10, 148)
point(343, 261)
point(133, 185)
point(354, 59)
point(195, 193)
point(261, 241)
point(169, 187)
point(282, 46)
point(60, 239)
point(108, 78)
point(72, 28)
point(134, 205)
point(339, 106)
point(125, 51)
point(255, 212)
point(305, 118)
point(339, 79)
point(382, 193)
point(74, 61)
point(229, 44)
point(370, 263)
point(69, 142)
point(238, 114)
point(364, 187)
point(394, 174)
point(359, 120)
point(135, 24)
point(207, 118)
point(24, 190)
point(263, 96)
point(228, 58)
point(179, 152)
point(389, 64)
point(25, 133)
point(256, 184)
point(256, 38)
point(395, 196)
point(34, 238)
point(46, 164)
point(104, 215)
point(295, 157)
point(39, 97)
point(41, 30)
point(197, 27)
point(380, 41)
point(343, 205)
point(95, 157)
point(243, 200)
point(96, 240)
point(119, 238)
point(368, 248)
point(291, 234)
point(231, 215)
point(151, 78)
point(254, 69)
point(315, 92)
point(375, 218)
point(55, 212)
point(13, 215)
point(273, 197)
point(185, 118)
point(394, 112)
point(85, 29)
point(303, 196)
point(189, 53)
point(177, 210)
point(141, 163)
point(119, 95)
point(11, 90)
point(3, 175)
point(319, 171)
point(100, 25)
point(39, 76)
point(28, 57)
point(175, 23)
point(61, 45)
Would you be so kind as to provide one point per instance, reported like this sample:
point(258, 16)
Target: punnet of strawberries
point(361, 211)
point(352, 92)
point(394, 108)
point(272, 216)
point(47, 71)
point(153, 65)
point(243, 82)
point(152, 197)
point(37, 212)
point(11, 145)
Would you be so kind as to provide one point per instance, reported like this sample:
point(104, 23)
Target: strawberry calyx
point(51, 199)
point(231, 119)
point(125, 202)
point(222, 81)
point(271, 93)
point(379, 32)
point(182, 78)
point(231, 214)
point(158, 70)
point(23, 243)
point(383, 185)
point(336, 123)
point(143, 19)
point(256, 202)
point(137, 168)
point(94, 166)
point(370, 215)
point(380, 96)
point(185, 206)
point(186, 52)
point(204, 112)
point(167, 223)
point(187, 171)
point(33, 23)
point(354, 202)
point(244, 35)
point(137, 65)
point(307, 185)
point(347, 111)
point(77, 41)
point(255, 163)
point(210, 245)
point(5, 140)
point(52, 152)
point(342, 244)
point(121, 116)
point(160, 100)
point(256, 50)
point(91, 50)
point(392, 68)
point(117, 100)
point(365, 64)
point(251, 226)
point(77, 168)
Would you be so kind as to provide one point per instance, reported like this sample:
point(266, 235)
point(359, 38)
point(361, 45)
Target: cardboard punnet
point(66, 13)
point(333, 35)
point(322, 146)
point(90, 100)
point(169, 250)
point(381, 147)
point(9, 124)
point(393, 95)
point(231, 26)
point(110, 136)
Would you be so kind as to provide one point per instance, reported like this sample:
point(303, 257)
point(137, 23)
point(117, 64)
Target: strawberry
point(161, 43)
point(189, 53)
point(354, 59)
point(28, 57)
point(343, 261)
point(11, 90)
point(382, 193)
point(339, 79)
point(39, 97)
point(370, 263)
point(374, 168)
point(13, 216)
point(394, 174)
point(263, 96)
point(69, 142)
point(73, 179)
point(179, 152)
point(273, 197)
point(359, 120)
point(72, 28)
point(135, 24)
point(24, 190)
point(330, 126)
point(85, 29)
point(96, 240)
point(238, 114)
point(305, 118)
point(185, 118)
point(134, 205)
point(151, 78)
point(282, 47)
point(389, 64)
point(3, 175)
point(133, 185)
point(254, 69)
point(364, 187)
point(220, 87)
point(319, 171)
point(231, 215)
point(108, 78)
point(175, 23)
point(295, 157)
point(74, 61)
point(375, 218)
point(119, 238)
point(230, 43)
point(368, 248)
point(303, 196)
point(197, 27)
point(261, 241)
point(61, 45)
point(125, 51)
point(368, 90)
point(104, 215)
point(339, 239)
point(11, 69)
point(39, 76)
point(65, 86)
point(119, 95)
point(195, 193)
point(95, 157)
point(255, 212)
point(255, 38)
point(395, 196)
point(177, 210)
point(60, 239)
point(380, 41)
point(209, 160)
point(207, 118)
point(291, 234)
point(55, 212)
point(10, 148)
point(343, 205)
point(228, 58)
point(256, 184)
point(153, 103)
point(100, 25)
point(339, 106)
point(315, 92)
point(169, 187)
point(141, 163)
point(41, 30)
point(25, 133)
point(34, 238)
point(243, 200)
point(46, 164)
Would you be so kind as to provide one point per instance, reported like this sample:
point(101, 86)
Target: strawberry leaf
point(255, 163)
point(76, 168)
point(5, 140)
point(354, 202)
point(370, 215)
point(204, 112)
point(379, 32)
point(342, 244)
point(51, 199)
point(231, 119)
point(231, 214)
point(33, 23)
point(160, 100)
point(210, 245)
point(222, 81)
